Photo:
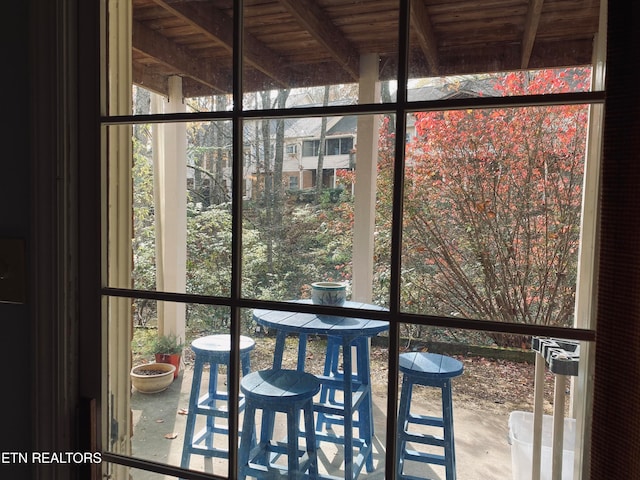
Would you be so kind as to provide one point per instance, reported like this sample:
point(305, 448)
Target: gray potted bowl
point(152, 377)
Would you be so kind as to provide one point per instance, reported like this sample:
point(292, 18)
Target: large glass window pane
point(349, 356)
point(294, 237)
point(190, 41)
point(181, 177)
point(163, 412)
point(471, 40)
point(492, 213)
point(495, 393)
point(302, 47)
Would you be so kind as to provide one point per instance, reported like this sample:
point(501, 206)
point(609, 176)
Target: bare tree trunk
point(321, 147)
point(278, 160)
point(268, 181)
point(217, 187)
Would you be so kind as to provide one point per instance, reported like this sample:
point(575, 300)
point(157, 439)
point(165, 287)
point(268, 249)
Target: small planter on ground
point(152, 377)
point(168, 349)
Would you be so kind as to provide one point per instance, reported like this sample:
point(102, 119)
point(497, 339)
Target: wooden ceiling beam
point(218, 26)
point(421, 24)
point(149, 79)
point(191, 88)
point(530, 30)
point(164, 51)
point(321, 28)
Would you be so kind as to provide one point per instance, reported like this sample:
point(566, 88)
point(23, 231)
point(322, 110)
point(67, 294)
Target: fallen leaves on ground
point(495, 384)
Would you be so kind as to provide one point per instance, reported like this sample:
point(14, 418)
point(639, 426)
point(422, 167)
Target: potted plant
point(152, 377)
point(168, 349)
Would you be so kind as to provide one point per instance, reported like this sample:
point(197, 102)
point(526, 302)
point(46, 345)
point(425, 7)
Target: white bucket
point(521, 439)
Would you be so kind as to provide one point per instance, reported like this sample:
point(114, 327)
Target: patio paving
point(481, 437)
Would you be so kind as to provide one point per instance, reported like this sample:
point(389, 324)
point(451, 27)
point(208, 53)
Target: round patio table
point(356, 388)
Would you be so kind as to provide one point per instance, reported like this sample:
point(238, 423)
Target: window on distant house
point(346, 145)
point(334, 146)
point(310, 148)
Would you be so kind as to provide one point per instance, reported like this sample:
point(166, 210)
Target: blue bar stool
point(332, 370)
point(214, 350)
point(285, 391)
point(431, 370)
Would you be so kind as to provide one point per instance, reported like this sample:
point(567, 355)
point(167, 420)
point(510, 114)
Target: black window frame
point(236, 302)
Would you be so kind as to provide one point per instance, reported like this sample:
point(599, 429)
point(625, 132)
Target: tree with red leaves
point(492, 206)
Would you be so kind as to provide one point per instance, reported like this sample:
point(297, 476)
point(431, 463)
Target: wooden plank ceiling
point(297, 43)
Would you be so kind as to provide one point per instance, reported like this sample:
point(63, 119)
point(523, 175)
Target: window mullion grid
point(401, 108)
point(396, 240)
point(233, 378)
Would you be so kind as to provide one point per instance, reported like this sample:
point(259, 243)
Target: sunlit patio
point(481, 413)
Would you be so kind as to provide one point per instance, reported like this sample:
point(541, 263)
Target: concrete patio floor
point(481, 437)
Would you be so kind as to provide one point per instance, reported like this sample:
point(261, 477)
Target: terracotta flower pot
point(170, 358)
point(152, 377)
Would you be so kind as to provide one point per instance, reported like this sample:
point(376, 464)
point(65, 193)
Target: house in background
point(302, 138)
point(302, 143)
point(302, 147)
point(300, 154)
